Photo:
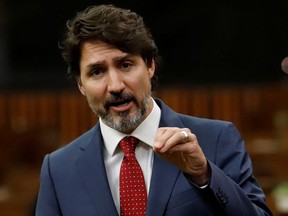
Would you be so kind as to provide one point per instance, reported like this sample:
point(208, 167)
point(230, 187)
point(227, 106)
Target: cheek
point(139, 84)
point(142, 86)
point(146, 80)
point(94, 91)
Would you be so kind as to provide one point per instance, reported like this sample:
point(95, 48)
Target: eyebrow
point(116, 59)
point(125, 56)
point(94, 65)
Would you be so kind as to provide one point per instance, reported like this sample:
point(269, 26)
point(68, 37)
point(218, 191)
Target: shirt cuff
point(198, 186)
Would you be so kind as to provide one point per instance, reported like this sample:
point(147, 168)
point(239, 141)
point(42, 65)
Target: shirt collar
point(145, 132)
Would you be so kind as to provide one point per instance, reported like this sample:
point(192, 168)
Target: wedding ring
point(186, 136)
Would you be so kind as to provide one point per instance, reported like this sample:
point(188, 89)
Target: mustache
point(118, 98)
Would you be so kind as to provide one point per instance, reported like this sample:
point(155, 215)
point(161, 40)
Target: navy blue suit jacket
point(74, 180)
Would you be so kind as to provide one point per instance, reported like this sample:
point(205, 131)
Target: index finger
point(159, 133)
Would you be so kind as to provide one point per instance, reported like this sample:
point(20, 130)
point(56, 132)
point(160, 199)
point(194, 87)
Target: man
point(188, 166)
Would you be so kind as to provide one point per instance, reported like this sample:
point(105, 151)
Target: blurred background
point(221, 60)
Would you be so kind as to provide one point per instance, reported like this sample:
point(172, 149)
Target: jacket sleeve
point(47, 203)
point(232, 181)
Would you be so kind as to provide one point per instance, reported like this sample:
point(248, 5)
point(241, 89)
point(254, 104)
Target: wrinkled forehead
point(97, 52)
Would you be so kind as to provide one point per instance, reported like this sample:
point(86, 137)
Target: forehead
point(97, 50)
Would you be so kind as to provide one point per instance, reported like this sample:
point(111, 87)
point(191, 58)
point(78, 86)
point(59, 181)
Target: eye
point(126, 65)
point(96, 71)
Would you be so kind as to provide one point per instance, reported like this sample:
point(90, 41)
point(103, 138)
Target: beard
point(122, 121)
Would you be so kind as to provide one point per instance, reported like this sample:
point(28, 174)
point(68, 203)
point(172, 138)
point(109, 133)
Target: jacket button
point(222, 197)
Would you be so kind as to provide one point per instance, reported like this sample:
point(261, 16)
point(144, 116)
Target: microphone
point(284, 65)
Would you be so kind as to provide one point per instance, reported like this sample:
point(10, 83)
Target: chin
point(124, 122)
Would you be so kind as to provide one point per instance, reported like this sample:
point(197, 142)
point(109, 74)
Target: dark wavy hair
point(121, 28)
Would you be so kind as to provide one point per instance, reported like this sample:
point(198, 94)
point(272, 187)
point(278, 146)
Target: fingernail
point(158, 145)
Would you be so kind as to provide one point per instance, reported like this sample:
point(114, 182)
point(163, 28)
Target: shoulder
point(205, 123)
point(72, 149)
point(196, 124)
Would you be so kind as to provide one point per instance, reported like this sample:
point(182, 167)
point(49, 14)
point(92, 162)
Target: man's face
point(116, 84)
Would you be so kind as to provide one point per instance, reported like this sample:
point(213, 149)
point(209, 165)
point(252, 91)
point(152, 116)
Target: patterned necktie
point(133, 196)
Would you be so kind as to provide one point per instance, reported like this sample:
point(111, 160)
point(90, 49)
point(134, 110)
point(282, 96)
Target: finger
point(173, 137)
point(162, 136)
point(190, 148)
point(186, 144)
point(160, 132)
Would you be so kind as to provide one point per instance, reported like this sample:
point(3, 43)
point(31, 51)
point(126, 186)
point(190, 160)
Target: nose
point(115, 82)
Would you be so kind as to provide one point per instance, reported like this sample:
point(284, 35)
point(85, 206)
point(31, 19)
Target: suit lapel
point(93, 175)
point(163, 179)
point(164, 174)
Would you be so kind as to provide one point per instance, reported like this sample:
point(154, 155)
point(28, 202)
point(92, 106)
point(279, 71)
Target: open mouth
point(120, 106)
point(120, 103)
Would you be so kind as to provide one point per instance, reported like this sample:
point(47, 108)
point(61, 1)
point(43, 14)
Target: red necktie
point(133, 196)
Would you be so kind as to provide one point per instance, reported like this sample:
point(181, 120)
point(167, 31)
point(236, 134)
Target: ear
point(151, 69)
point(80, 86)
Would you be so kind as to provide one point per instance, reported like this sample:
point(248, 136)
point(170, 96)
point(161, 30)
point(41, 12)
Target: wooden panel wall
point(249, 107)
point(60, 117)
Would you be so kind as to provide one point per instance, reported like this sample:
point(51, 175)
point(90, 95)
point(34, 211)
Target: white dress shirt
point(113, 155)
